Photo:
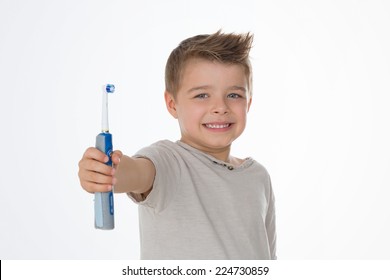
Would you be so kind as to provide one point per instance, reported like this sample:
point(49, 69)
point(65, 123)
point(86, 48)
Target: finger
point(95, 166)
point(96, 177)
point(92, 187)
point(94, 153)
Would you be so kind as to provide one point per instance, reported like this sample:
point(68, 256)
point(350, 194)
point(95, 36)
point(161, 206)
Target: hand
point(94, 174)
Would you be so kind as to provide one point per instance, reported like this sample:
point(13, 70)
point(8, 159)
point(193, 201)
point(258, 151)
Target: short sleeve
point(166, 182)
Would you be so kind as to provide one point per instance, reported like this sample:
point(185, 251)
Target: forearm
point(134, 175)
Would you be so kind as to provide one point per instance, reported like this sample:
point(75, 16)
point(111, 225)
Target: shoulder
point(260, 172)
point(158, 147)
point(163, 152)
point(163, 144)
point(260, 167)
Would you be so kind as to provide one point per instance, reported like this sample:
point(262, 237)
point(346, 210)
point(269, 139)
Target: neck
point(220, 153)
point(223, 155)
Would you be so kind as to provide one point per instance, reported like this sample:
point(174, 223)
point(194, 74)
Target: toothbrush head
point(109, 88)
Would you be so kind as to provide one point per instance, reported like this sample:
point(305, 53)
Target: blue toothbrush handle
point(104, 201)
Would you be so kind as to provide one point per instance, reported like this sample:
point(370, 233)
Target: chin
point(219, 144)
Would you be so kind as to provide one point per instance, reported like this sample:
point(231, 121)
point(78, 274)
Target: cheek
point(240, 110)
point(191, 113)
point(189, 117)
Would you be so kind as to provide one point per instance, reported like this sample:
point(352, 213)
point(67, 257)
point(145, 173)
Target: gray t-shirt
point(203, 208)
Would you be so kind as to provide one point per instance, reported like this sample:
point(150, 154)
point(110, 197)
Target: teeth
point(208, 125)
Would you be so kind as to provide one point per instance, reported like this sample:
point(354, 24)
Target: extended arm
point(134, 175)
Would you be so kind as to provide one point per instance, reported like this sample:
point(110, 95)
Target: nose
point(220, 107)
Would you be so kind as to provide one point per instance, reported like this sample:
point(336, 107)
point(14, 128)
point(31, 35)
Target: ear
point(170, 103)
point(249, 104)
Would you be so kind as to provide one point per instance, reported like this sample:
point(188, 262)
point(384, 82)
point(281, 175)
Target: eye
point(234, 95)
point(201, 96)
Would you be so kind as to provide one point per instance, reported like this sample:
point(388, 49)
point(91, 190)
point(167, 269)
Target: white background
point(319, 121)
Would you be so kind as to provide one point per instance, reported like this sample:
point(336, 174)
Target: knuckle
point(90, 152)
point(81, 163)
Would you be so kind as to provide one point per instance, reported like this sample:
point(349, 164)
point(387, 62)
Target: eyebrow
point(198, 88)
point(240, 88)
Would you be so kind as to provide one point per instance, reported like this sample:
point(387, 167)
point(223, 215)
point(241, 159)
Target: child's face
point(211, 104)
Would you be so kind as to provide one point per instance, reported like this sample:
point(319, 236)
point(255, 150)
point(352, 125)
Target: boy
point(196, 201)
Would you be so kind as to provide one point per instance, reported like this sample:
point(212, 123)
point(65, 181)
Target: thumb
point(116, 157)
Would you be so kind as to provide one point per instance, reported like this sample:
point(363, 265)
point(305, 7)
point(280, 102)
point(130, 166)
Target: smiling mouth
point(217, 126)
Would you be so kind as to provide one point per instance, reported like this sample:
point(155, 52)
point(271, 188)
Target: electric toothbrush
point(104, 201)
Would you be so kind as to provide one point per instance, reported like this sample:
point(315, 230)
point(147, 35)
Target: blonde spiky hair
point(224, 48)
